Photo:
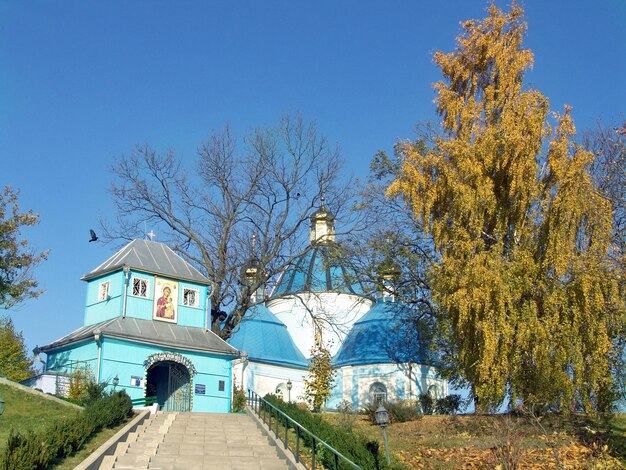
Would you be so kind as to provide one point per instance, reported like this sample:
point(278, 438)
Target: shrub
point(354, 446)
point(347, 416)
point(426, 403)
point(64, 436)
point(239, 398)
point(93, 391)
point(370, 411)
point(448, 405)
point(399, 411)
point(78, 384)
point(403, 410)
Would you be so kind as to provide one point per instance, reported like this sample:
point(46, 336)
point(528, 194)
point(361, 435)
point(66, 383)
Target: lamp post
point(1, 404)
point(116, 381)
point(382, 419)
point(289, 387)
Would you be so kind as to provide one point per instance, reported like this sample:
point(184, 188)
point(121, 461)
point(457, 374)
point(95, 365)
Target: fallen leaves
point(572, 455)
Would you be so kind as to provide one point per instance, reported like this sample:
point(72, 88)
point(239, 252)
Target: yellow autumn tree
point(527, 292)
point(321, 378)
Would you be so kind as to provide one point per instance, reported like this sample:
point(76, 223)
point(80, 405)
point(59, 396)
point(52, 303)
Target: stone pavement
point(199, 441)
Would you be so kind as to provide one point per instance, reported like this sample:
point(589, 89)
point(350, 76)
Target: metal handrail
point(144, 401)
point(260, 405)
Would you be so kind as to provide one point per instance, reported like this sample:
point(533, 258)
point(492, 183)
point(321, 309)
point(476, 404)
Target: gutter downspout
point(243, 360)
point(207, 308)
point(127, 276)
point(243, 369)
point(97, 338)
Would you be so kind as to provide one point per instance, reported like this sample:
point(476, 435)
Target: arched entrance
point(169, 378)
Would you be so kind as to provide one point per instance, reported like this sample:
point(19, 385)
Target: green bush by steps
point(354, 446)
point(32, 451)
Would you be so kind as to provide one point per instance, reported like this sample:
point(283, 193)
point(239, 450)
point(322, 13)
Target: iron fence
point(276, 419)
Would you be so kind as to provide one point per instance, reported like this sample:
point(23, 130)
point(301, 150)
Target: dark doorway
point(170, 382)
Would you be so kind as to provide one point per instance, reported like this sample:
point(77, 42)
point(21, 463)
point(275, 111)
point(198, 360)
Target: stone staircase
point(190, 441)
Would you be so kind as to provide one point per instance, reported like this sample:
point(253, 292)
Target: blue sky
point(83, 82)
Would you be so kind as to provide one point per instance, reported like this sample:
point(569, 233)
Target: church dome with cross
point(320, 292)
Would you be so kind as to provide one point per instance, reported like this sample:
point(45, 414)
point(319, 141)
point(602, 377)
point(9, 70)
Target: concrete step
point(132, 461)
point(190, 441)
point(216, 463)
point(107, 462)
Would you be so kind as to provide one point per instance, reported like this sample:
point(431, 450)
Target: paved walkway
point(190, 441)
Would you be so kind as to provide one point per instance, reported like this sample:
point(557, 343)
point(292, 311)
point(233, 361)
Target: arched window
point(378, 393)
point(434, 391)
point(281, 390)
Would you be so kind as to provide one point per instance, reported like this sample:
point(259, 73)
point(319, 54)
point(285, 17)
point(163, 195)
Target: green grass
point(618, 436)
point(88, 448)
point(27, 412)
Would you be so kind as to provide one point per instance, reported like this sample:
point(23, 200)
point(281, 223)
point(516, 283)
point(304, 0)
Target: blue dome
point(323, 268)
point(265, 339)
point(379, 337)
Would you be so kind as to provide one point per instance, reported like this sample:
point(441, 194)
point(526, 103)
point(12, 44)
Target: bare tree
point(391, 240)
point(393, 258)
point(241, 204)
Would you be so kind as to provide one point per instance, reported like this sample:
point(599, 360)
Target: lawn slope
point(25, 411)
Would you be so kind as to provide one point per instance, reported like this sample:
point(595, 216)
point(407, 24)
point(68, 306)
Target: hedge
point(32, 451)
point(355, 446)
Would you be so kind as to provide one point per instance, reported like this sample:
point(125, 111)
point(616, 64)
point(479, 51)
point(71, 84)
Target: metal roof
point(265, 339)
point(152, 257)
point(379, 337)
point(322, 268)
point(152, 332)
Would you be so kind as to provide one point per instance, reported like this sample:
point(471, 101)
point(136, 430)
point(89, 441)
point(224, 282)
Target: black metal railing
point(276, 419)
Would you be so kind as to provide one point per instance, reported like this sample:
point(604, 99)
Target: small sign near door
point(136, 381)
point(200, 389)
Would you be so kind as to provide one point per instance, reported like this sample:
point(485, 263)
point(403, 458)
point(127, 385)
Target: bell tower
point(322, 225)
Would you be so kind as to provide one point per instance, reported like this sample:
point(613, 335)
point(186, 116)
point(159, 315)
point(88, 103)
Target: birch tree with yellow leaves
point(527, 291)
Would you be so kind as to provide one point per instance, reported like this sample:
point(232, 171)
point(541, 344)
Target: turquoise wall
point(68, 359)
point(97, 311)
point(125, 359)
point(192, 316)
point(139, 307)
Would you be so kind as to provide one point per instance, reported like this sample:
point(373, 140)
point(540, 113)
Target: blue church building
point(375, 356)
point(146, 330)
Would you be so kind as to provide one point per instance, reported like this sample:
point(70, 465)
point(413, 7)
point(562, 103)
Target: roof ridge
point(152, 257)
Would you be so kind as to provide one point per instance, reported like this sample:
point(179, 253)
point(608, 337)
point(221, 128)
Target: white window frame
point(104, 291)
point(141, 279)
point(196, 297)
point(378, 392)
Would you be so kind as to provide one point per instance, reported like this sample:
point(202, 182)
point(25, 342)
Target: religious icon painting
point(165, 306)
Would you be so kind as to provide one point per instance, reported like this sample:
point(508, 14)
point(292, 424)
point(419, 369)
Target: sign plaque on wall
point(136, 381)
point(200, 389)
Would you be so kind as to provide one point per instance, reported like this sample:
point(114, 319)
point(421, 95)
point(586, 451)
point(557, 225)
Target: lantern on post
point(382, 419)
point(116, 381)
point(289, 387)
